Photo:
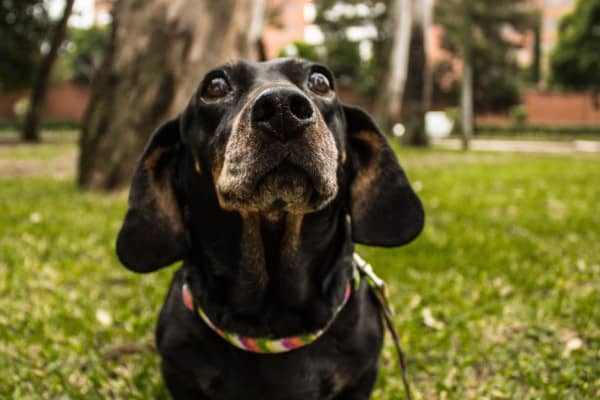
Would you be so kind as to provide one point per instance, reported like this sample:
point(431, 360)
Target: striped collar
point(266, 345)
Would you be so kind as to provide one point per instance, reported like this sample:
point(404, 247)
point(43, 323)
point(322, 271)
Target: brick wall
point(65, 101)
point(561, 108)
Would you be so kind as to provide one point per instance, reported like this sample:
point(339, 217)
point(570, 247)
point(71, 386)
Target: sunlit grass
point(508, 267)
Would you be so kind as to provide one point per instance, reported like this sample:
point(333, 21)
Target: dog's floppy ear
point(384, 209)
point(152, 235)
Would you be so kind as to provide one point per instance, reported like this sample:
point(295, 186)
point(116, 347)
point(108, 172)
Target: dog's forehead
point(282, 69)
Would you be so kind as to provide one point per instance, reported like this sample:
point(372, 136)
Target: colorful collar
point(270, 345)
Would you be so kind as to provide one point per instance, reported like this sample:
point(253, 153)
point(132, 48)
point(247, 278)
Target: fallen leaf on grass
point(572, 345)
point(430, 321)
point(35, 218)
point(415, 301)
point(103, 317)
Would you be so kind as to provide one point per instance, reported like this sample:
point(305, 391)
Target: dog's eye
point(216, 88)
point(318, 83)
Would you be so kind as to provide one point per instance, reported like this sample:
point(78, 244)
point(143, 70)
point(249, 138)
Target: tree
point(401, 99)
point(575, 62)
point(23, 26)
point(158, 52)
point(85, 51)
point(389, 102)
point(418, 89)
point(31, 127)
point(342, 52)
point(466, 98)
point(535, 69)
point(494, 28)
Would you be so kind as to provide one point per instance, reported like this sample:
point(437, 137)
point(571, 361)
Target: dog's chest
point(274, 378)
point(321, 370)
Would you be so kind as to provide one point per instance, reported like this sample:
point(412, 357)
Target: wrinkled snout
point(282, 113)
point(280, 156)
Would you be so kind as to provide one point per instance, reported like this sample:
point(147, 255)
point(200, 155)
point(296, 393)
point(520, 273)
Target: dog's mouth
point(285, 187)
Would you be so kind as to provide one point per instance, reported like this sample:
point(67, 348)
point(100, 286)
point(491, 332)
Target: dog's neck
point(253, 266)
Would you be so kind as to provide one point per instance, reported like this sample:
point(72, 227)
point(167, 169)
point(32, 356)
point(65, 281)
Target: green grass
point(508, 265)
point(35, 152)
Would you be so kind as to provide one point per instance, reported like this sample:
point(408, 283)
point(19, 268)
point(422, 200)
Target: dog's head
point(271, 138)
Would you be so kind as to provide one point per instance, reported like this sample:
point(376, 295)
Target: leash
point(379, 289)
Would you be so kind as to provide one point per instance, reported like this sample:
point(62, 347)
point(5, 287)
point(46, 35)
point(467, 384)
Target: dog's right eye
point(216, 88)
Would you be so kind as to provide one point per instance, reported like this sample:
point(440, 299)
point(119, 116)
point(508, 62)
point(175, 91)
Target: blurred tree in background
point(343, 51)
point(157, 54)
point(575, 62)
point(31, 127)
point(85, 52)
point(302, 50)
point(388, 103)
point(405, 92)
point(535, 69)
point(496, 74)
point(24, 25)
point(419, 89)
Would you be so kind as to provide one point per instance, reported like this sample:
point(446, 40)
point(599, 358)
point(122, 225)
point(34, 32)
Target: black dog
point(261, 186)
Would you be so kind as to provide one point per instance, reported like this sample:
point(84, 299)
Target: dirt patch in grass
point(48, 159)
point(61, 167)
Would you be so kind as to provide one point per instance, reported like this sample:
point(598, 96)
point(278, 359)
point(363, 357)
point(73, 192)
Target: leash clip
point(379, 289)
point(376, 283)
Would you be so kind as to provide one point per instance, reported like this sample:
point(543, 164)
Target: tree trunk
point(159, 51)
point(536, 65)
point(31, 128)
point(428, 67)
point(467, 81)
point(417, 95)
point(388, 105)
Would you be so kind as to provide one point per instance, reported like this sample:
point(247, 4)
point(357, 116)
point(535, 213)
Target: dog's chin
point(287, 188)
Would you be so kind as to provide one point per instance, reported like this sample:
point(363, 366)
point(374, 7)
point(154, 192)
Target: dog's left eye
point(216, 88)
point(318, 83)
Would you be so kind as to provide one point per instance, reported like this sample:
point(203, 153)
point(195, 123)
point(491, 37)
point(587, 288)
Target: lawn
point(497, 299)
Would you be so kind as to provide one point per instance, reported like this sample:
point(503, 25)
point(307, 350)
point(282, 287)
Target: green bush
point(300, 49)
point(453, 115)
point(519, 114)
point(51, 125)
point(21, 108)
point(538, 129)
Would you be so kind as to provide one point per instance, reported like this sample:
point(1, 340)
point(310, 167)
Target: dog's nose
point(282, 112)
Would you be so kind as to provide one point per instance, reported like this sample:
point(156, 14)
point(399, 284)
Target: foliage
point(519, 114)
point(343, 57)
point(575, 62)
point(495, 70)
point(24, 25)
point(85, 51)
point(21, 108)
point(508, 266)
point(47, 125)
point(541, 131)
point(454, 115)
point(302, 50)
point(335, 18)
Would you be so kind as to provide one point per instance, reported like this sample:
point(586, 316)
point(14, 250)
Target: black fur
point(175, 214)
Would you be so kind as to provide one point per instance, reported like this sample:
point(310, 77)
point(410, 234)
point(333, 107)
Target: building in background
point(551, 13)
point(290, 21)
point(102, 12)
